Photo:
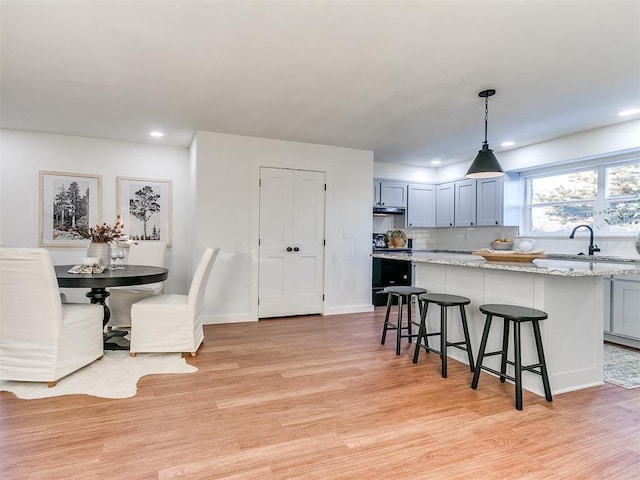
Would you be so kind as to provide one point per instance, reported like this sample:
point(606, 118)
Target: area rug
point(621, 366)
point(115, 376)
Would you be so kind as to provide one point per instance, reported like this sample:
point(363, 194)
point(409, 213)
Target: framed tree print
point(145, 207)
point(69, 203)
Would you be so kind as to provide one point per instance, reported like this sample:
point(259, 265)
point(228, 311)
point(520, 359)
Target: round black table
point(98, 282)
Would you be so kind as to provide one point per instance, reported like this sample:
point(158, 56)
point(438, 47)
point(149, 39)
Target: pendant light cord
point(486, 118)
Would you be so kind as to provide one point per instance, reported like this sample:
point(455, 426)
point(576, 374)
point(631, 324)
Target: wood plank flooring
point(320, 398)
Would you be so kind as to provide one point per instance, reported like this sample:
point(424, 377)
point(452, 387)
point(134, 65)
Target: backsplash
point(473, 238)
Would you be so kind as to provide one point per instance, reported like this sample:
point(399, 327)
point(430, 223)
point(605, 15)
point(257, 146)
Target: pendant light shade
point(486, 165)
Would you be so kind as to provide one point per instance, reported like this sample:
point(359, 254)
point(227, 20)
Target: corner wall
point(227, 215)
point(24, 154)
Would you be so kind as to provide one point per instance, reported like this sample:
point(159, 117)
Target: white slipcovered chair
point(42, 339)
point(172, 322)
point(121, 298)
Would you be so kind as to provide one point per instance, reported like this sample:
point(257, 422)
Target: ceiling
point(397, 77)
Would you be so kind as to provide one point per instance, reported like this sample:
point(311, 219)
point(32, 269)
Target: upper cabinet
point(445, 199)
point(421, 205)
point(465, 203)
point(461, 203)
point(490, 201)
point(456, 204)
point(470, 203)
point(389, 194)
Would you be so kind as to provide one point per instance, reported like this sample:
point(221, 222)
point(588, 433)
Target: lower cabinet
point(625, 311)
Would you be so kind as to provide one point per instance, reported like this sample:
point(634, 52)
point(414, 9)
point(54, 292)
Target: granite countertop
point(565, 265)
point(554, 256)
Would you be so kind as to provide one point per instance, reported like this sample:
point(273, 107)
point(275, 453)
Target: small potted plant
point(396, 238)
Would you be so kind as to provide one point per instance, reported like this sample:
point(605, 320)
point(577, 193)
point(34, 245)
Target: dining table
point(98, 284)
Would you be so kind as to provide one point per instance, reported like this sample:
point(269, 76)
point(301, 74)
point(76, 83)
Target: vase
point(101, 251)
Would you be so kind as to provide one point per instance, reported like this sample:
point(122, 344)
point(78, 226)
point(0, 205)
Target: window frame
point(600, 203)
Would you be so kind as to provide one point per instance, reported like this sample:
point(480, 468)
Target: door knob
point(296, 249)
point(289, 249)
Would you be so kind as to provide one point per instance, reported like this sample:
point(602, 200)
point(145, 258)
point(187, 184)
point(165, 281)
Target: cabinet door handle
point(296, 249)
point(289, 249)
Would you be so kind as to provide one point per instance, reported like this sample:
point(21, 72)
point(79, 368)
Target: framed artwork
point(145, 207)
point(69, 203)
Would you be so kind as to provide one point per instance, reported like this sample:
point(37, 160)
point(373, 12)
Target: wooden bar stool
point(517, 315)
point(445, 301)
point(404, 295)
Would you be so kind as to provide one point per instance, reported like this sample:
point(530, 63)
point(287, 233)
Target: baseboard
point(243, 318)
point(221, 319)
point(349, 309)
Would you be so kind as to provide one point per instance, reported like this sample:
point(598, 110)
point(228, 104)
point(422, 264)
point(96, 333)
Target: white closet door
point(292, 205)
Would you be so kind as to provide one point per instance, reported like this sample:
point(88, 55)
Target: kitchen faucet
point(592, 248)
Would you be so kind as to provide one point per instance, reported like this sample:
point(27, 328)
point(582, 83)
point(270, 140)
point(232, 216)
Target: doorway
point(291, 244)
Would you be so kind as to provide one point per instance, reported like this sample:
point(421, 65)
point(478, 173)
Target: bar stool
point(445, 301)
point(403, 294)
point(517, 315)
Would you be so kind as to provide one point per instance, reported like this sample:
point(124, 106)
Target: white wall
point(227, 214)
point(24, 154)
point(404, 172)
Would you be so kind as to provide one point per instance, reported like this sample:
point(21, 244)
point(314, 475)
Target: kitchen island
point(570, 291)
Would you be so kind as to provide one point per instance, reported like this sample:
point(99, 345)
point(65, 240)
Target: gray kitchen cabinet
point(489, 201)
point(389, 194)
point(625, 311)
point(445, 200)
point(421, 205)
point(465, 203)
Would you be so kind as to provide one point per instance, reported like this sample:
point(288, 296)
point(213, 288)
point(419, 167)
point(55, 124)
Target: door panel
point(291, 269)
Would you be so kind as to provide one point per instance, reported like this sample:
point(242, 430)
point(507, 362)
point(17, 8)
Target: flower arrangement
point(103, 233)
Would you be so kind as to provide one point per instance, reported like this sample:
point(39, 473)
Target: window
point(622, 197)
point(606, 196)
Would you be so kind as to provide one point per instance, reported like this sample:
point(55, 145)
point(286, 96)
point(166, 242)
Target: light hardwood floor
point(320, 398)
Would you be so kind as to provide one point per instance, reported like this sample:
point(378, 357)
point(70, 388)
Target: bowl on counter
point(501, 245)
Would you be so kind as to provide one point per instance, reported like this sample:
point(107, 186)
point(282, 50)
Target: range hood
point(388, 211)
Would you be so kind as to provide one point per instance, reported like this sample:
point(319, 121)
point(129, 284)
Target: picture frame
point(145, 204)
point(68, 203)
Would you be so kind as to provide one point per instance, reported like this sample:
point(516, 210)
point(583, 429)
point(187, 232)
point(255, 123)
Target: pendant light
point(486, 164)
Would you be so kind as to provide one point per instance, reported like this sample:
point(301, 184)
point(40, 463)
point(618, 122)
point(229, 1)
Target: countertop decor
point(396, 238)
point(508, 256)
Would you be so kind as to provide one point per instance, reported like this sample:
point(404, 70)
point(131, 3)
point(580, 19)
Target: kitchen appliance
point(382, 211)
point(388, 272)
point(380, 240)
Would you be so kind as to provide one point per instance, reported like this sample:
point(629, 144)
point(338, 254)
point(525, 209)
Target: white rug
point(115, 376)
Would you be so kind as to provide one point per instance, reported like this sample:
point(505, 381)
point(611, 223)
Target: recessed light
point(631, 111)
point(156, 134)
point(436, 162)
point(507, 144)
